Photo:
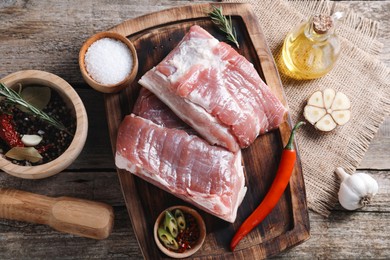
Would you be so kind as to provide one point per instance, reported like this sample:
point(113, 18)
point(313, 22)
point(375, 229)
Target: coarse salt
point(108, 61)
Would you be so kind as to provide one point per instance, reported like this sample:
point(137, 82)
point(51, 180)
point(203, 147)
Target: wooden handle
point(70, 215)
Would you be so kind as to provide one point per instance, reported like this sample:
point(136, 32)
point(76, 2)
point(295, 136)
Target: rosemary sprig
point(14, 97)
point(224, 24)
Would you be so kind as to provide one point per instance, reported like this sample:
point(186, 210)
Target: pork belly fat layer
point(209, 177)
point(149, 106)
point(215, 90)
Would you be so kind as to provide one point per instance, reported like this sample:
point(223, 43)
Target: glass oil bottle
point(311, 49)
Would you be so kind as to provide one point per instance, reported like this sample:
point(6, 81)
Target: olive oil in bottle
point(311, 49)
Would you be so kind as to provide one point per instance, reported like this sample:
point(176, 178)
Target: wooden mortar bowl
point(189, 252)
point(74, 103)
point(112, 88)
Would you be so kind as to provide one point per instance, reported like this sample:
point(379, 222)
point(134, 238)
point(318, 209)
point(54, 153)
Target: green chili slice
point(170, 224)
point(167, 239)
point(180, 219)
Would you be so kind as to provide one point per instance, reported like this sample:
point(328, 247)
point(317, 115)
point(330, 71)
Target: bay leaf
point(37, 96)
point(24, 153)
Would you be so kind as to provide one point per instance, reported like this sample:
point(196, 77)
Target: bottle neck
point(314, 34)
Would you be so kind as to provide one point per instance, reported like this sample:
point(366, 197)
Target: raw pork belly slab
point(148, 106)
point(207, 176)
point(215, 90)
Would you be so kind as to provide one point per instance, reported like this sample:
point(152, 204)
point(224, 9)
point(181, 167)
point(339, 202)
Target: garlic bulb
point(327, 109)
point(356, 190)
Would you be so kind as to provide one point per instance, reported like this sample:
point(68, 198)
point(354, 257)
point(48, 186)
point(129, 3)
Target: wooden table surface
point(47, 35)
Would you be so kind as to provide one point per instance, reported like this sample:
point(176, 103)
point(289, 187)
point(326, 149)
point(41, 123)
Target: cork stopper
point(322, 23)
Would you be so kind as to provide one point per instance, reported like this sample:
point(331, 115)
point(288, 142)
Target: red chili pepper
point(8, 132)
point(276, 190)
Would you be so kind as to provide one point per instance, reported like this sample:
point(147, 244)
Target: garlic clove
point(329, 95)
point(341, 102)
point(370, 183)
point(316, 99)
point(341, 174)
point(31, 140)
point(356, 183)
point(313, 114)
point(326, 124)
point(341, 117)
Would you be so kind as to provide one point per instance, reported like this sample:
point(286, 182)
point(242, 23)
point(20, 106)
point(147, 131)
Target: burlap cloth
point(357, 73)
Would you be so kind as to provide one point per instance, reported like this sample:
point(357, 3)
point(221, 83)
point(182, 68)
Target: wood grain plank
point(44, 41)
point(362, 234)
point(101, 186)
point(345, 236)
point(47, 35)
point(359, 234)
point(21, 240)
point(96, 153)
point(378, 154)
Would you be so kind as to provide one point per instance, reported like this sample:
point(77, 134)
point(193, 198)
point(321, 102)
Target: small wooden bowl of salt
point(108, 62)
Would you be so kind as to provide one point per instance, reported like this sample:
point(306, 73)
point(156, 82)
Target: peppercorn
point(54, 141)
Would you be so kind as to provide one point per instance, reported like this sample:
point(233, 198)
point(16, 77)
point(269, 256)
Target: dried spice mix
point(21, 124)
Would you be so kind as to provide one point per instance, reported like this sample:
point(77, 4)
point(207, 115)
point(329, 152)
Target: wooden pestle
point(70, 215)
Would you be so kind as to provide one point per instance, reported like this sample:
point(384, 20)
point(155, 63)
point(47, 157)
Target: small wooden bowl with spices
point(179, 231)
point(43, 124)
point(108, 62)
